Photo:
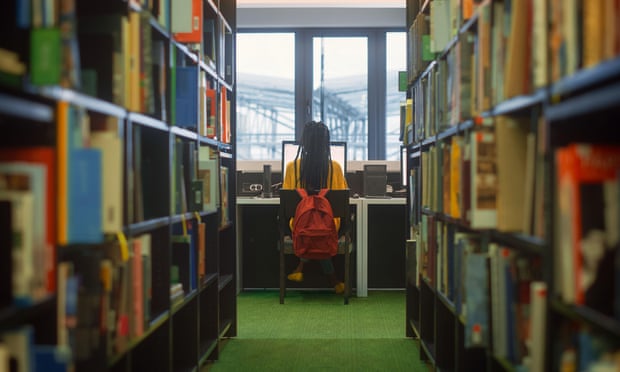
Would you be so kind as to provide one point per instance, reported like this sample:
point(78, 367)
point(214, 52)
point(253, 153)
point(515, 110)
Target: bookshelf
point(513, 210)
point(117, 164)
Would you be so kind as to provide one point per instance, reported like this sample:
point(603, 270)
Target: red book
point(586, 222)
point(45, 156)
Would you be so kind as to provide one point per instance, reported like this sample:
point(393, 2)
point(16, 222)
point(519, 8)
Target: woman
point(313, 169)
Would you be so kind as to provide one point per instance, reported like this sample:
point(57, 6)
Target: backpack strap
point(302, 192)
point(323, 192)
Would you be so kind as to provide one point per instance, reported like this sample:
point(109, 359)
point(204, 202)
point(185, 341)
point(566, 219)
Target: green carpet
point(314, 331)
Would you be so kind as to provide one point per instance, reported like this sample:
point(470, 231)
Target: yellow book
point(455, 177)
point(62, 139)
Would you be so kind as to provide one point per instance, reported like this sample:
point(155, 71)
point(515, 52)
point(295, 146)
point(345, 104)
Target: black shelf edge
point(224, 281)
point(185, 50)
point(526, 243)
point(186, 300)
point(520, 103)
point(226, 84)
point(598, 100)
point(12, 315)
point(79, 99)
point(602, 322)
point(587, 78)
point(145, 226)
point(212, 5)
point(448, 132)
point(208, 141)
point(25, 109)
point(206, 348)
point(183, 132)
point(503, 362)
point(147, 121)
point(426, 71)
point(519, 241)
point(469, 23)
point(428, 349)
point(225, 327)
point(153, 326)
point(448, 303)
point(208, 280)
point(208, 69)
point(225, 150)
point(415, 326)
point(159, 27)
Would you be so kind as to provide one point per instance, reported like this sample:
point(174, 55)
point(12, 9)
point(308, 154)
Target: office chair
point(339, 200)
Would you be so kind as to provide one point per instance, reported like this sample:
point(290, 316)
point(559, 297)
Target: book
point(209, 174)
point(19, 343)
point(517, 70)
point(586, 225)
point(482, 211)
point(6, 260)
point(23, 274)
point(31, 178)
point(511, 146)
point(84, 216)
point(187, 20)
point(186, 97)
point(45, 56)
point(476, 300)
point(538, 325)
point(111, 147)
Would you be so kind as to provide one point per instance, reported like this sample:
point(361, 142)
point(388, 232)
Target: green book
point(45, 56)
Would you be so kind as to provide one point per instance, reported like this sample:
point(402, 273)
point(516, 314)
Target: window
point(340, 90)
point(330, 81)
point(265, 94)
point(396, 60)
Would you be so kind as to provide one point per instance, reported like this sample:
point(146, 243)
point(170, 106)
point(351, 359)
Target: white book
point(111, 147)
point(22, 210)
point(538, 324)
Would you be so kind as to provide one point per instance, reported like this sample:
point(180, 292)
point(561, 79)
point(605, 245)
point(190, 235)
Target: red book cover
point(587, 222)
point(47, 157)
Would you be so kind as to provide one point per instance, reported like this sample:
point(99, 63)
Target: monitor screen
point(338, 153)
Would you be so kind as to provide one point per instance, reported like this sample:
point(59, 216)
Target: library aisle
point(314, 331)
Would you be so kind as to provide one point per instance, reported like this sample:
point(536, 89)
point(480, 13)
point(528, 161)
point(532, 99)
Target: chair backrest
point(339, 200)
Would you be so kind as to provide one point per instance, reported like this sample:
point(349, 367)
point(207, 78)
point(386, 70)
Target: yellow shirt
point(338, 182)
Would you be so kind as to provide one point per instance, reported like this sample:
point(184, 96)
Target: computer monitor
point(338, 151)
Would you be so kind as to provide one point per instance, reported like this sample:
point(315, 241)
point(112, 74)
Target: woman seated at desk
point(313, 169)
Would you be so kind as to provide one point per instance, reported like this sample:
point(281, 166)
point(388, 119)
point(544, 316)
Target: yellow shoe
point(296, 277)
point(339, 288)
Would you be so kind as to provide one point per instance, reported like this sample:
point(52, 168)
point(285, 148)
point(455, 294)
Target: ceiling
point(321, 4)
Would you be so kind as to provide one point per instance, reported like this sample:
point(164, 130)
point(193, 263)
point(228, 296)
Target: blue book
point(84, 196)
point(477, 300)
point(187, 97)
point(50, 358)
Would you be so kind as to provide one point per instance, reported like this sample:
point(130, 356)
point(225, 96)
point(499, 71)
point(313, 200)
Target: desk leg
point(362, 251)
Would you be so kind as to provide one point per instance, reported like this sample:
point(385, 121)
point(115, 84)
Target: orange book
point(211, 112)
point(193, 21)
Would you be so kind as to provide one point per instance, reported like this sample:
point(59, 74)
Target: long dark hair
point(315, 155)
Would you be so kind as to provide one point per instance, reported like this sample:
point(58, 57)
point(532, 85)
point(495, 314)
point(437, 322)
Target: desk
point(361, 205)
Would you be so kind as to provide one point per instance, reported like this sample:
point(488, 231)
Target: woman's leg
point(328, 269)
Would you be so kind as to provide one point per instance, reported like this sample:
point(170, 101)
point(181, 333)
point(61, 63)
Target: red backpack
point(314, 231)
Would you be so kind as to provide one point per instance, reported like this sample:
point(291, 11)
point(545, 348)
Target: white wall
point(320, 17)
